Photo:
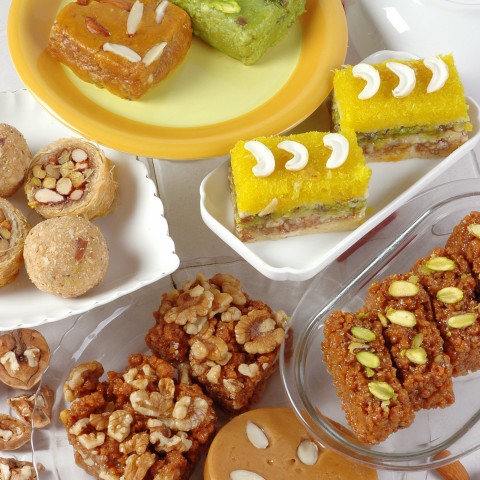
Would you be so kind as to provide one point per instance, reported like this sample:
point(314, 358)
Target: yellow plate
point(208, 103)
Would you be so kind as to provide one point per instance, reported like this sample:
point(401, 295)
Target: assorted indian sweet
point(297, 184)
point(229, 342)
point(13, 231)
point(71, 176)
point(242, 29)
point(15, 157)
point(402, 108)
point(427, 319)
point(12, 468)
point(125, 46)
point(271, 443)
point(66, 256)
point(140, 423)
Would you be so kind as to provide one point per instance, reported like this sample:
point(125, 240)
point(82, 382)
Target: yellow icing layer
point(315, 184)
point(384, 111)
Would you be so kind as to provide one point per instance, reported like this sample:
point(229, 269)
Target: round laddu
point(15, 157)
point(66, 256)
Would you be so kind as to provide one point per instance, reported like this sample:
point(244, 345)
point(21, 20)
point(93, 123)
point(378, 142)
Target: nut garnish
point(307, 452)
point(195, 415)
point(13, 433)
point(94, 27)
point(11, 469)
point(83, 377)
point(24, 356)
point(122, 51)
point(381, 390)
point(256, 435)
point(417, 355)
point(160, 11)
point(134, 18)
point(401, 317)
point(402, 288)
point(450, 295)
point(36, 408)
point(368, 359)
point(119, 425)
point(362, 333)
point(440, 264)
point(154, 53)
point(462, 320)
point(92, 440)
point(474, 229)
point(245, 475)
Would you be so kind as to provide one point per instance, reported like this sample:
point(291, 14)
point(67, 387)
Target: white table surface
point(195, 244)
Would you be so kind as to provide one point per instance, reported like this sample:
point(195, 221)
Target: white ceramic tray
point(140, 248)
point(300, 258)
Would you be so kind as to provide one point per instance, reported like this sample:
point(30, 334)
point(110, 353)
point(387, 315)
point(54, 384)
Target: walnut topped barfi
point(230, 342)
point(125, 46)
point(141, 423)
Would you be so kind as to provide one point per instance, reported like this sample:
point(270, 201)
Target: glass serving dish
point(438, 436)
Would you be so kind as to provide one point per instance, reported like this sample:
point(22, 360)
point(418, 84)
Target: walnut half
point(24, 356)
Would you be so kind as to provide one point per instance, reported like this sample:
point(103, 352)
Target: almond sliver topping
point(134, 18)
point(79, 155)
point(44, 195)
point(154, 53)
point(160, 11)
point(122, 51)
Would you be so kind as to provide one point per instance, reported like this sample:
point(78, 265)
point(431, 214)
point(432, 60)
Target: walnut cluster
point(230, 342)
point(135, 423)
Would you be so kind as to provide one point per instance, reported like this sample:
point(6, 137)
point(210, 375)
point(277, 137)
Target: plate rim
point(282, 111)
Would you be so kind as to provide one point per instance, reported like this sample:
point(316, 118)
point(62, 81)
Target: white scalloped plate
point(302, 257)
point(141, 251)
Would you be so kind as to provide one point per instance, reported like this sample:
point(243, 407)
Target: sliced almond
point(64, 186)
point(44, 195)
point(245, 475)
point(307, 452)
point(134, 18)
point(96, 28)
point(79, 155)
point(160, 11)
point(154, 53)
point(122, 51)
point(256, 435)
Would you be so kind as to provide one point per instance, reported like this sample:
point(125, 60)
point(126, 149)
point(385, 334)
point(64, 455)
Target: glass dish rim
point(292, 369)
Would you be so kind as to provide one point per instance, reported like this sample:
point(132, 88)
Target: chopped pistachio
point(462, 320)
point(362, 333)
point(402, 317)
point(383, 319)
point(417, 355)
point(450, 295)
point(440, 264)
point(368, 359)
point(402, 288)
point(417, 340)
point(474, 229)
point(369, 372)
point(381, 390)
point(356, 346)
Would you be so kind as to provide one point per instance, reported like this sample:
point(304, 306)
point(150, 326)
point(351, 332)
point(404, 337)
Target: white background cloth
point(195, 244)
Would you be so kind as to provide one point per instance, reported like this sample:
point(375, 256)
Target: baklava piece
point(71, 176)
point(230, 342)
point(402, 109)
point(13, 232)
point(66, 256)
point(451, 286)
point(242, 29)
point(297, 184)
point(124, 46)
point(374, 401)
point(414, 340)
point(15, 157)
point(139, 424)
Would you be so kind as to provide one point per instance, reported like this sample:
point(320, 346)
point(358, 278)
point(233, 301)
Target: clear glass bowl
point(408, 234)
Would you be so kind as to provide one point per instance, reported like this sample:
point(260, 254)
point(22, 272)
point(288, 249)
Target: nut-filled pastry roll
point(71, 176)
point(13, 230)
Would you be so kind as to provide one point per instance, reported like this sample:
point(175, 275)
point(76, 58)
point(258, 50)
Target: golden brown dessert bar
point(375, 403)
point(451, 286)
point(138, 424)
point(230, 342)
point(124, 46)
point(272, 443)
point(464, 241)
point(413, 339)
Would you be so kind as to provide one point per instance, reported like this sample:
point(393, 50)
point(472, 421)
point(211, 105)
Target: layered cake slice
point(304, 183)
point(242, 29)
point(402, 109)
point(124, 46)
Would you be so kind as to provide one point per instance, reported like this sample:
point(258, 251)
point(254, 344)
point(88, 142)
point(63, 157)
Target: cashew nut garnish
point(439, 71)
point(264, 157)
point(340, 147)
point(406, 77)
point(371, 76)
point(299, 152)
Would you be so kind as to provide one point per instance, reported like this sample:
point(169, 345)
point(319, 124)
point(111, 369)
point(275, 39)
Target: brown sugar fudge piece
point(375, 403)
point(140, 424)
point(125, 46)
point(15, 157)
point(272, 443)
point(464, 241)
point(451, 286)
point(414, 340)
point(230, 342)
